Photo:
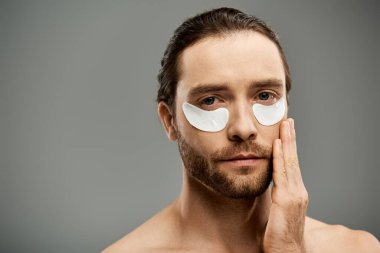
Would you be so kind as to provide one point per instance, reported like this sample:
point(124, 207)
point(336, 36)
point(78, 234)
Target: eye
point(265, 95)
point(208, 101)
point(266, 98)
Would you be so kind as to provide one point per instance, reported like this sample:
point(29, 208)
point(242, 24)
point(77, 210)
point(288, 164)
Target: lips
point(242, 160)
point(243, 157)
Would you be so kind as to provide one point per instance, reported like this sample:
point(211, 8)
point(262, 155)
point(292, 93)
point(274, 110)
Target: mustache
point(243, 147)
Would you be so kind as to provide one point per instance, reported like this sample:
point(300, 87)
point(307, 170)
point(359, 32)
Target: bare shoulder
point(322, 237)
point(155, 235)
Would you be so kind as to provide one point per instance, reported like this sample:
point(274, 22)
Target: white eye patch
point(208, 121)
point(216, 120)
point(268, 115)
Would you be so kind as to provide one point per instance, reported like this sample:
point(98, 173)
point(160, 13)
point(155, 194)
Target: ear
point(167, 120)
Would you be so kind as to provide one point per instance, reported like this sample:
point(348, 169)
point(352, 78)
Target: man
point(223, 96)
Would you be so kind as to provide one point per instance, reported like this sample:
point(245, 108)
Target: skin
point(202, 220)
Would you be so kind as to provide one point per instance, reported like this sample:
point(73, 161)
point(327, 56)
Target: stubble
point(243, 183)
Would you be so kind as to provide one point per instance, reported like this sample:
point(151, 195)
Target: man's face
point(234, 72)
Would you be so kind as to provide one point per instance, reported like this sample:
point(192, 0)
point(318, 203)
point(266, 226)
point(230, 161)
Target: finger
point(289, 150)
point(291, 158)
point(294, 148)
point(293, 136)
point(279, 173)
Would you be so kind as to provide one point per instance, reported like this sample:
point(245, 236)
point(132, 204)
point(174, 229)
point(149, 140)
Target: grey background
point(83, 158)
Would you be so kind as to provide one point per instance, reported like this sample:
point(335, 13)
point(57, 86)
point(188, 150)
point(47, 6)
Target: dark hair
point(215, 22)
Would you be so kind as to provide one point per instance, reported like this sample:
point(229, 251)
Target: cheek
point(181, 123)
point(273, 132)
point(269, 133)
point(203, 142)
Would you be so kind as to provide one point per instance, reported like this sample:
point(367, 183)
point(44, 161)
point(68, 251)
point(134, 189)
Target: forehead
point(237, 59)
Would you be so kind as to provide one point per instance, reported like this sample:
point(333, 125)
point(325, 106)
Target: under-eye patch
point(268, 115)
point(208, 121)
point(216, 120)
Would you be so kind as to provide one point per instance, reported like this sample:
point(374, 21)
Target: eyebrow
point(267, 83)
point(209, 88)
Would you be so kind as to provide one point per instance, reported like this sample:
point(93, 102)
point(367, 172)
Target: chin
point(242, 182)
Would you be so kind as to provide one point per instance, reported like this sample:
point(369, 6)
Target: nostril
point(237, 138)
point(243, 138)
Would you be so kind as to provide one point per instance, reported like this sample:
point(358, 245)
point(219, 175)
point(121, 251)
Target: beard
point(244, 182)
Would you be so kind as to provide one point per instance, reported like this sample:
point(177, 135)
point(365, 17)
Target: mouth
point(243, 160)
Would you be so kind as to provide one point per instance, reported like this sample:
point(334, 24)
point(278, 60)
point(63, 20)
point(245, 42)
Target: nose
point(241, 126)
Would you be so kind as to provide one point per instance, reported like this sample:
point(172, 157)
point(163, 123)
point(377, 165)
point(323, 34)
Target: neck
point(232, 224)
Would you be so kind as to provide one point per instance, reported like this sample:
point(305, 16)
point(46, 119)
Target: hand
point(285, 227)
